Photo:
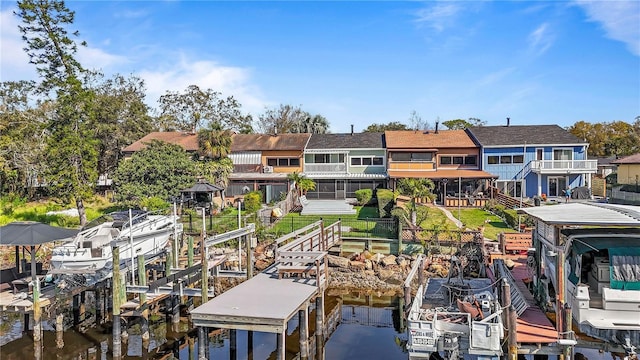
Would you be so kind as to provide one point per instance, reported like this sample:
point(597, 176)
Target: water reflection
point(357, 327)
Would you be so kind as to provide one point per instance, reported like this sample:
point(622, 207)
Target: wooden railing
point(515, 242)
point(305, 264)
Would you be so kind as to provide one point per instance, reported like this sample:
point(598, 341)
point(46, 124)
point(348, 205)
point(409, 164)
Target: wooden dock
point(267, 301)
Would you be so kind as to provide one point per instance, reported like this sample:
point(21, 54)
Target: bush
point(253, 201)
point(153, 203)
point(385, 202)
point(364, 196)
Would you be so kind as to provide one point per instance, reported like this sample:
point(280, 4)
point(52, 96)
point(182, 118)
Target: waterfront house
point(188, 141)
point(541, 159)
point(263, 161)
point(628, 169)
point(341, 164)
point(448, 157)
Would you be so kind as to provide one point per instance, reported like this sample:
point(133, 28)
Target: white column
point(539, 184)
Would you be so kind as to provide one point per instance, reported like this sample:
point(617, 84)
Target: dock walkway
point(267, 301)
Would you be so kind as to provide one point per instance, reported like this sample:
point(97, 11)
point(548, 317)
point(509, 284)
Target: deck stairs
point(518, 299)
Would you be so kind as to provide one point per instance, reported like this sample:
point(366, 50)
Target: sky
point(363, 62)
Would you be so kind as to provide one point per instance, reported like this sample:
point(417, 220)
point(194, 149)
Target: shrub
point(364, 196)
point(153, 203)
point(385, 202)
point(253, 201)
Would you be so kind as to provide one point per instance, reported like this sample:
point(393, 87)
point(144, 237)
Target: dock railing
point(305, 264)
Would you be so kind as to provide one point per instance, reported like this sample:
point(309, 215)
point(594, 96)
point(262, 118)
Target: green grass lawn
point(437, 219)
point(475, 218)
point(16, 210)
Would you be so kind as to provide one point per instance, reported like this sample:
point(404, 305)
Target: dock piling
point(190, 251)
point(202, 346)
point(142, 278)
point(320, 314)
point(60, 331)
point(117, 284)
point(303, 320)
point(233, 344)
point(280, 345)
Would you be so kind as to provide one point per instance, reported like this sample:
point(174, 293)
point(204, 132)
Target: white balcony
point(564, 166)
point(340, 168)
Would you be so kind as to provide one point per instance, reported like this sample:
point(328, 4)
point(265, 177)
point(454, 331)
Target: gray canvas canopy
point(31, 233)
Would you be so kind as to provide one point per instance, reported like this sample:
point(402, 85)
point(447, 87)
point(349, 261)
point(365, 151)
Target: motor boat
point(91, 250)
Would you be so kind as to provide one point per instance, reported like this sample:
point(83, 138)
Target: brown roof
point(411, 139)
point(262, 142)
point(189, 142)
point(441, 174)
point(631, 159)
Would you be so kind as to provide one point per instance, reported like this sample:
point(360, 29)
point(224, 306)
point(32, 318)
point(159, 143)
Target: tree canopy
point(291, 119)
point(159, 170)
point(461, 124)
point(616, 138)
point(196, 108)
point(394, 125)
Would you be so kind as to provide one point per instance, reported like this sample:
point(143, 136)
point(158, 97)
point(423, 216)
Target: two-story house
point(448, 157)
point(263, 161)
point(341, 164)
point(541, 159)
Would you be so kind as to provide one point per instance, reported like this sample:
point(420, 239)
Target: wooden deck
point(263, 303)
point(534, 327)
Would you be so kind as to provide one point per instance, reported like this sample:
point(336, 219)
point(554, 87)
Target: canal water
point(362, 327)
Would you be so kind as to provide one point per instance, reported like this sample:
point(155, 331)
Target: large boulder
point(337, 261)
point(388, 260)
point(357, 265)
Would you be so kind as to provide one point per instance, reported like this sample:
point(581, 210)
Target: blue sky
point(537, 62)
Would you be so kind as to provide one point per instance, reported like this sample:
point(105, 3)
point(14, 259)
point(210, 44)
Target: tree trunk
point(414, 213)
point(82, 214)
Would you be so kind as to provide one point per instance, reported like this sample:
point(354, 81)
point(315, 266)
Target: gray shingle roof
point(347, 141)
point(519, 134)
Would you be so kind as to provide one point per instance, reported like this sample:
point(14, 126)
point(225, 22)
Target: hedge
point(364, 196)
point(385, 202)
point(253, 201)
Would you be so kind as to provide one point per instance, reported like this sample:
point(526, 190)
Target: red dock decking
point(534, 327)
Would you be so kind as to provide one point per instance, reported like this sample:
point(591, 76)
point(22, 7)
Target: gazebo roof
point(203, 187)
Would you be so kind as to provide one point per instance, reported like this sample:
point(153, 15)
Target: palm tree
point(214, 143)
point(415, 188)
point(301, 183)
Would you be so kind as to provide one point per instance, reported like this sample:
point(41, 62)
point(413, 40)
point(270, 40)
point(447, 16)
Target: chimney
point(351, 129)
point(437, 122)
point(508, 121)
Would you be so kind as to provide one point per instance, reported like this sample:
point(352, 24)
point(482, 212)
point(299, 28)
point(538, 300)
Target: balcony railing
point(322, 168)
point(554, 166)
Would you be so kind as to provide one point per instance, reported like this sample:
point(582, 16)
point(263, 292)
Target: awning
point(31, 233)
point(258, 176)
point(442, 174)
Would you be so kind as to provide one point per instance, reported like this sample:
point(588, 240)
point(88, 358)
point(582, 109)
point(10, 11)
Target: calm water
point(366, 327)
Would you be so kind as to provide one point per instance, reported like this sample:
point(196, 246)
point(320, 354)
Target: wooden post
point(249, 257)
point(568, 321)
point(37, 311)
point(99, 293)
point(421, 272)
point(205, 270)
point(280, 344)
point(233, 344)
point(142, 278)
point(513, 332)
point(407, 298)
point(76, 309)
point(320, 314)
point(202, 343)
point(117, 344)
point(190, 251)
point(169, 263)
point(249, 345)
point(303, 321)
point(399, 237)
point(59, 331)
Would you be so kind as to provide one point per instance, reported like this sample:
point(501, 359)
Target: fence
point(624, 197)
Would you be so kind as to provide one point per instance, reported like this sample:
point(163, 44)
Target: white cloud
point(14, 62)
point(438, 16)
point(228, 80)
point(540, 39)
point(95, 58)
point(619, 19)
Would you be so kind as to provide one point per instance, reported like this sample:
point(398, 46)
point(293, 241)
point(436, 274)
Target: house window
point(328, 158)
point(518, 159)
point(458, 160)
point(401, 156)
point(505, 159)
point(510, 187)
point(492, 160)
point(421, 156)
point(367, 161)
point(287, 162)
point(471, 160)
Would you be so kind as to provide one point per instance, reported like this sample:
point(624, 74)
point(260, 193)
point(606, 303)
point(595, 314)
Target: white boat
point(91, 250)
